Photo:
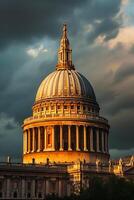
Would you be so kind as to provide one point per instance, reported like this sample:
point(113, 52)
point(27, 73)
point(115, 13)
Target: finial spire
point(65, 52)
point(64, 30)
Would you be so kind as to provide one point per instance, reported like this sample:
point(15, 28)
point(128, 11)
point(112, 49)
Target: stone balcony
point(66, 116)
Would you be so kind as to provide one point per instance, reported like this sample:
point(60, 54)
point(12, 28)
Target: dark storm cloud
point(26, 20)
point(22, 20)
point(9, 126)
point(18, 95)
point(122, 134)
point(124, 72)
point(103, 17)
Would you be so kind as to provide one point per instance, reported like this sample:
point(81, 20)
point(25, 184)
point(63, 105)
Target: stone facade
point(23, 181)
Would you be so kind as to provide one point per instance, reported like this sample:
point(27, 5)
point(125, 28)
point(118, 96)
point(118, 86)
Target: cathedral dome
point(65, 126)
point(65, 83)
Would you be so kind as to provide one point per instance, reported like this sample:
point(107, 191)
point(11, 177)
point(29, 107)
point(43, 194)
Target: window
point(72, 107)
point(47, 108)
point(59, 107)
point(15, 194)
point(42, 109)
point(49, 139)
point(84, 107)
point(78, 107)
point(39, 195)
point(0, 194)
point(52, 107)
point(0, 185)
point(65, 107)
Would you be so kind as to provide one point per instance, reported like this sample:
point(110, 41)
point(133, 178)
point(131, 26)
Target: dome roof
point(65, 83)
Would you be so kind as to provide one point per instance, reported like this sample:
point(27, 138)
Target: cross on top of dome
point(64, 52)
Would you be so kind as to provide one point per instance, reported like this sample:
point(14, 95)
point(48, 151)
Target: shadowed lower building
point(65, 141)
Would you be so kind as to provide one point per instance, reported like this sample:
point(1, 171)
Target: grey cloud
point(122, 126)
point(124, 71)
point(23, 21)
point(132, 49)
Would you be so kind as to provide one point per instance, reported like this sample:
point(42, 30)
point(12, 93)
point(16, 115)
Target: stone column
point(8, 189)
point(61, 138)
point(68, 189)
point(97, 140)
point(77, 138)
point(85, 139)
point(47, 187)
point(60, 189)
point(33, 138)
point(29, 142)
point(69, 138)
point(102, 140)
point(53, 139)
point(39, 141)
point(23, 192)
point(44, 187)
point(106, 142)
point(24, 142)
point(91, 139)
point(45, 139)
point(33, 189)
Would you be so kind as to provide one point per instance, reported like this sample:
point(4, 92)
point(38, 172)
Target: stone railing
point(103, 168)
point(44, 167)
point(90, 117)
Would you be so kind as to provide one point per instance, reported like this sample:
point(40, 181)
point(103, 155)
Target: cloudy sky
point(101, 34)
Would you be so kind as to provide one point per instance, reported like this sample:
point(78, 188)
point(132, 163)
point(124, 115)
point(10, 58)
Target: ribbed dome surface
point(65, 83)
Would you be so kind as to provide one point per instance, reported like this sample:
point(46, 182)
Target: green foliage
point(111, 188)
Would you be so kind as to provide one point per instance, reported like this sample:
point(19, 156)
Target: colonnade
point(68, 137)
point(31, 189)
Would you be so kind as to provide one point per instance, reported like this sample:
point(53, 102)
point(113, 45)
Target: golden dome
point(65, 83)
point(65, 125)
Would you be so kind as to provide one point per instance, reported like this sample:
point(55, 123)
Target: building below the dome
point(36, 181)
point(65, 141)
